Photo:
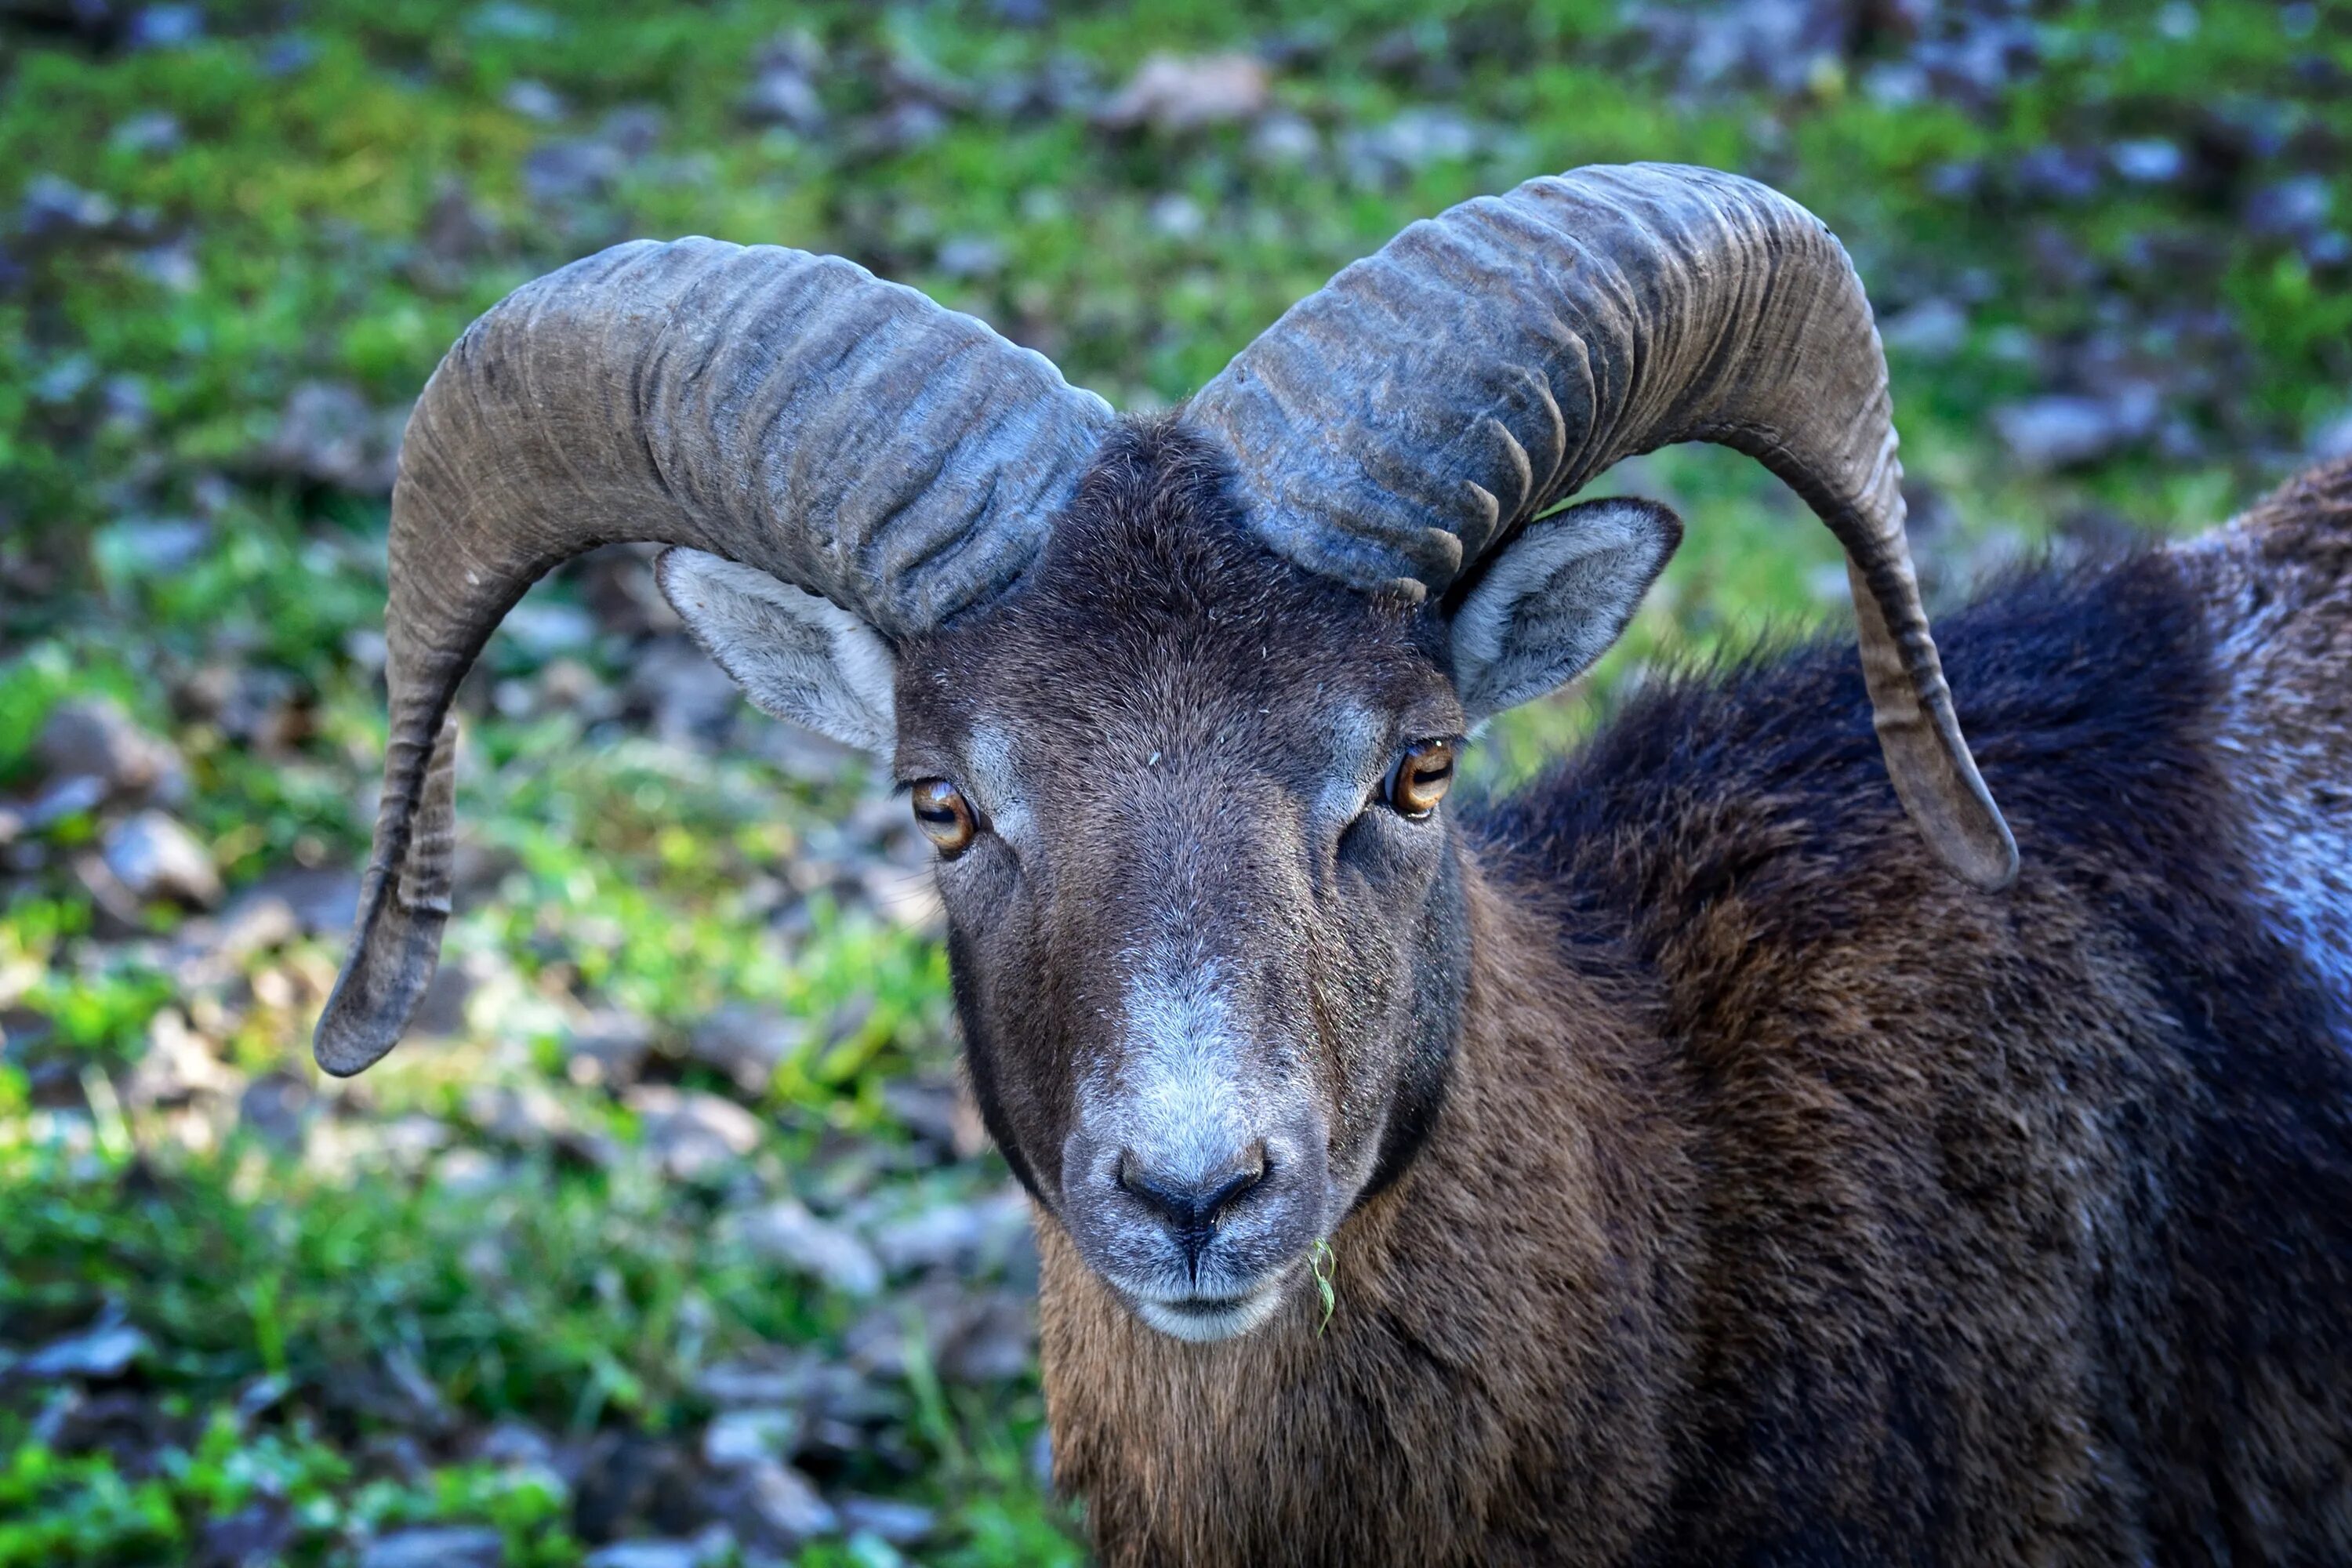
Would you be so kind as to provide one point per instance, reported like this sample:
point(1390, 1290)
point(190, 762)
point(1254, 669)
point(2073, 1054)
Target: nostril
point(1193, 1203)
point(1238, 1186)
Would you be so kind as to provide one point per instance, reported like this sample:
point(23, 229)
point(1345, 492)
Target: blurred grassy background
point(674, 1239)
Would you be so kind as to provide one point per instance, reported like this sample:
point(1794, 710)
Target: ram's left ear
point(795, 655)
point(1555, 598)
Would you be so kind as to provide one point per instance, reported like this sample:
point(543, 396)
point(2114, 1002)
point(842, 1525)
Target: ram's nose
point(1191, 1202)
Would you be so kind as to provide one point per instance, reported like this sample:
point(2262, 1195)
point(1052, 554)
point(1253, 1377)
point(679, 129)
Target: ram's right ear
point(1555, 598)
point(796, 656)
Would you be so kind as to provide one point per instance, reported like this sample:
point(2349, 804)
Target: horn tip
point(1970, 837)
point(383, 981)
point(1985, 859)
point(346, 1043)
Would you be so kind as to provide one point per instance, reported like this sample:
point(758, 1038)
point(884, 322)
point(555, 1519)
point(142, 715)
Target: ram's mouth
point(1203, 1320)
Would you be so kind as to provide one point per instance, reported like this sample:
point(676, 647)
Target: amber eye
point(944, 815)
point(1422, 776)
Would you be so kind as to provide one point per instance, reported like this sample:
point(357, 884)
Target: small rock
point(153, 131)
point(2055, 174)
point(277, 1107)
point(568, 686)
point(2152, 161)
point(267, 709)
point(1176, 215)
point(558, 174)
point(154, 858)
point(477, 868)
point(971, 1236)
point(288, 54)
point(544, 628)
point(66, 797)
point(178, 1065)
point(255, 1536)
point(523, 1114)
point(407, 1142)
point(2058, 432)
point(150, 546)
point(969, 1337)
point(1413, 141)
point(692, 1134)
point(129, 408)
point(886, 1519)
point(1173, 94)
point(54, 207)
point(511, 20)
point(103, 1350)
point(329, 433)
point(903, 128)
point(1932, 329)
point(781, 1509)
point(1896, 84)
point(783, 84)
point(738, 1439)
point(646, 1555)
point(1780, 43)
point(784, 97)
point(458, 233)
point(1041, 1460)
point(119, 913)
point(518, 1444)
point(324, 901)
point(165, 27)
point(776, 1378)
point(626, 1483)
point(632, 129)
point(609, 1047)
point(172, 266)
point(870, 1551)
point(2333, 439)
point(441, 1011)
point(2296, 205)
point(253, 922)
point(534, 101)
point(940, 1111)
point(92, 737)
point(435, 1548)
point(785, 1232)
point(748, 1044)
point(997, 1341)
point(692, 701)
point(1284, 140)
point(466, 1171)
point(971, 255)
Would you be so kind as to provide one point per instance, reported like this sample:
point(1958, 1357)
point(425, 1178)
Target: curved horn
point(789, 411)
point(1418, 410)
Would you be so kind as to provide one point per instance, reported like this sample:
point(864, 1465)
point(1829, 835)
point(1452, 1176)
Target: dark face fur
point(1209, 974)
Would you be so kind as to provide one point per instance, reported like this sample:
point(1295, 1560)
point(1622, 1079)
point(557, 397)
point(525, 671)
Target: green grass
point(277, 242)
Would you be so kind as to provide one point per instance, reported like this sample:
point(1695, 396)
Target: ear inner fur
point(1555, 598)
point(796, 656)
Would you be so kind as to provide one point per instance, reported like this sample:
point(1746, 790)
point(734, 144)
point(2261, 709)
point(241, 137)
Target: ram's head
point(1177, 698)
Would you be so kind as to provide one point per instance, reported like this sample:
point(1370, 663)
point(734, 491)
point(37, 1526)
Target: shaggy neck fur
point(1506, 1313)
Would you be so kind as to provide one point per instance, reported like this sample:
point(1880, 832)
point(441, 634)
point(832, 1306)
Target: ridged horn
point(1415, 413)
point(788, 411)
